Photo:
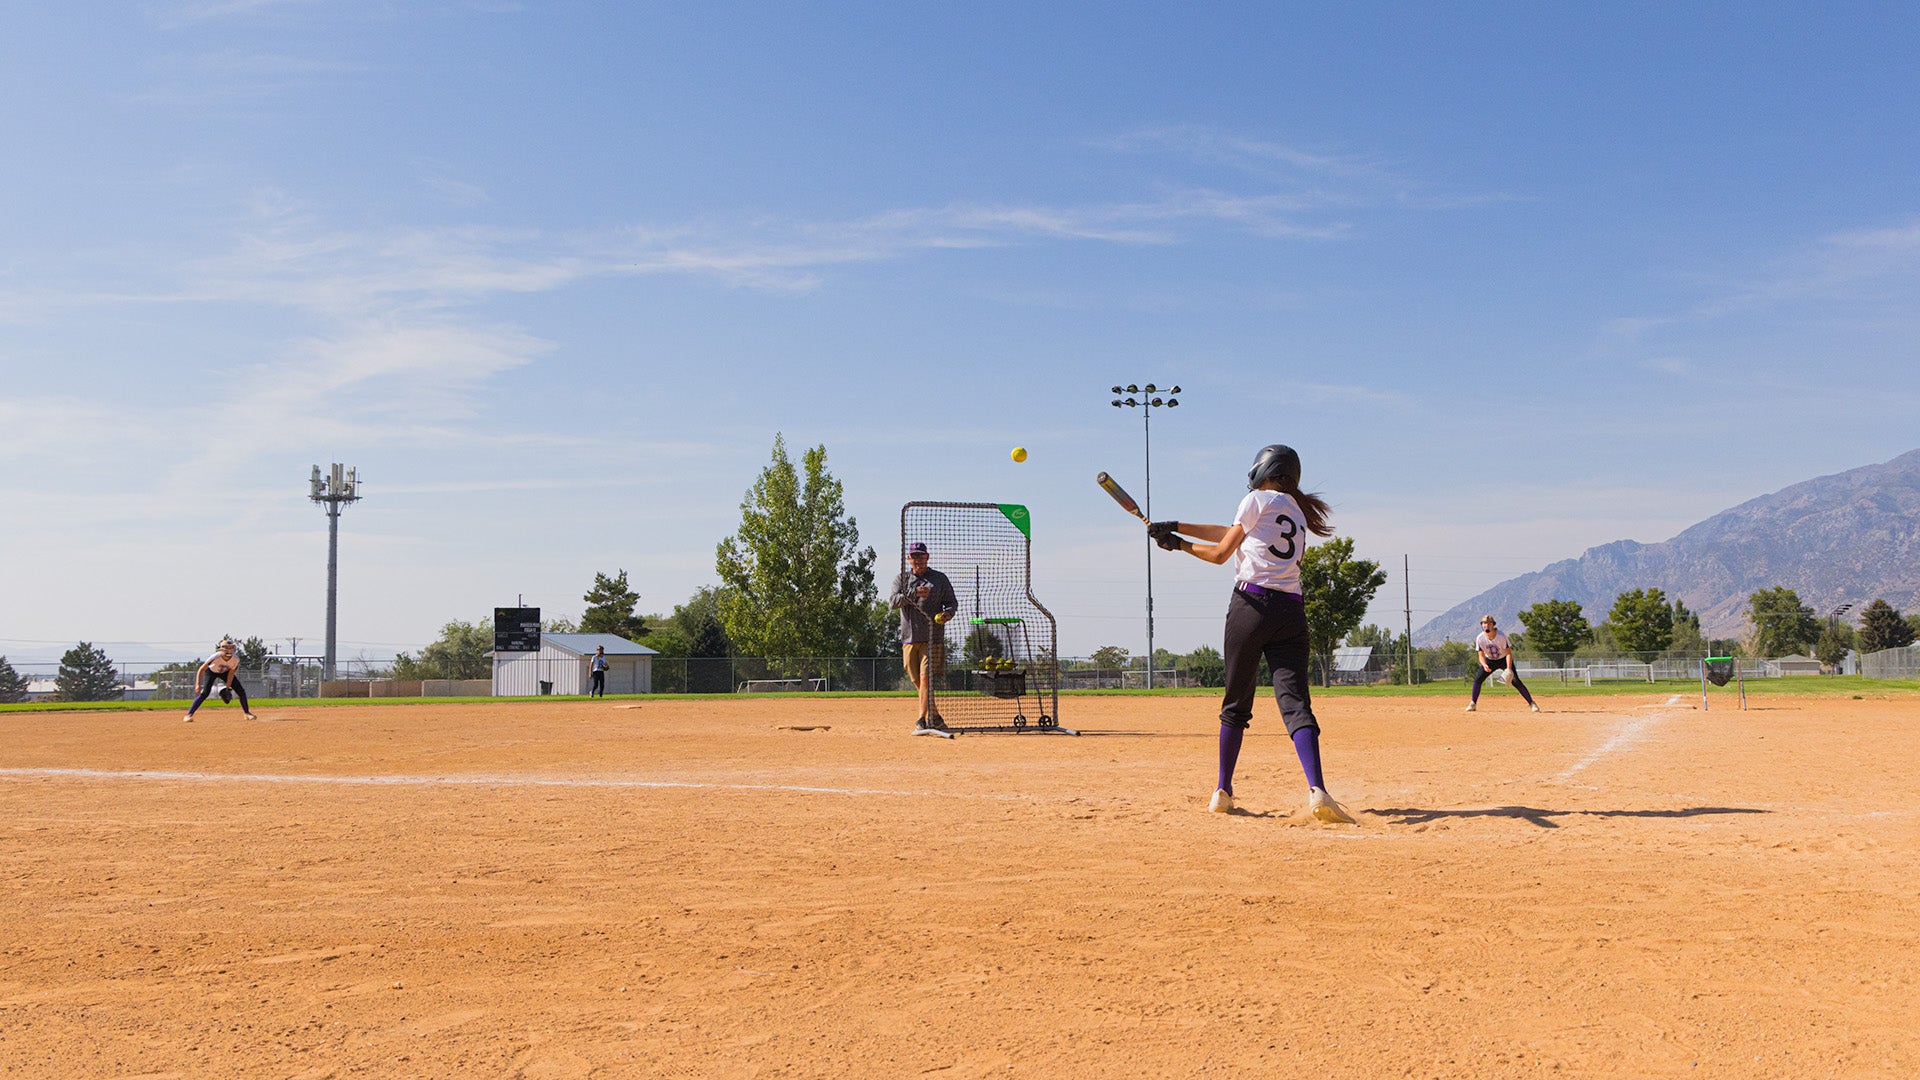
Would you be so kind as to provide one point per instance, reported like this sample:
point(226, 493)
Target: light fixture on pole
point(1144, 399)
point(334, 490)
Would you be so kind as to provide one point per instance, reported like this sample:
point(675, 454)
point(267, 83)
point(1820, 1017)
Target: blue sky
point(1516, 280)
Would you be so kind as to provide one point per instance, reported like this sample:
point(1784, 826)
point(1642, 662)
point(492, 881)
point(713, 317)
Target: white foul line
point(1623, 738)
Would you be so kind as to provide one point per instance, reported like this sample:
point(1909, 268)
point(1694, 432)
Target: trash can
point(546, 687)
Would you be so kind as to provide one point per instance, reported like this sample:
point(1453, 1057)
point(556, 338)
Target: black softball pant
point(1483, 675)
point(1273, 626)
point(213, 681)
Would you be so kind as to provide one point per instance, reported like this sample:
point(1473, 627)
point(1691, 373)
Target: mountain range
point(1849, 538)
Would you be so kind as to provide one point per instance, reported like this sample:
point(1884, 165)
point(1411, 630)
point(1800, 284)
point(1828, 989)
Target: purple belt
point(1251, 589)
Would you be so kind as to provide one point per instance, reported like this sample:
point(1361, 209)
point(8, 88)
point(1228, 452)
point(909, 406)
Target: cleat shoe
point(1535, 708)
point(1470, 708)
point(250, 716)
point(1222, 803)
point(189, 718)
point(937, 723)
point(1323, 808)
point(920, 724)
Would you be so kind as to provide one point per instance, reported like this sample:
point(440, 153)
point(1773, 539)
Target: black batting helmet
point(1276, 462)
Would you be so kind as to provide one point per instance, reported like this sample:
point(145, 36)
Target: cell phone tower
point(333, 490)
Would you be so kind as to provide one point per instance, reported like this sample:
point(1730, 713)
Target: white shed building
point(561, 664)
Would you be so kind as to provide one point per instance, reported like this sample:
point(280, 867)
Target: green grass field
point(1847, 686)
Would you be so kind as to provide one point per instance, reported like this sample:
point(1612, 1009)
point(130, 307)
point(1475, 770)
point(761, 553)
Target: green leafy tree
point(1913, 623)
point(563, 625)
point(1111, 658)
point(1207, 666)
point(252, 653)
point(1339, 587)
point(460, 653)
point(1832, 645)
point(1881, 627)
point(610, 608)
point(1448, 656)
point(1782, 625)
point(798, 583)
point(1556, 628)
point(87, 675)
point(1642, 621)
point(13, 685)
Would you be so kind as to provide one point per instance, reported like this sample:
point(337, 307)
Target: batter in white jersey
point(1266, 614)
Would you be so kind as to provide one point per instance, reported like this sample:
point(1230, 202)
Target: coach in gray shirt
point(926, 601)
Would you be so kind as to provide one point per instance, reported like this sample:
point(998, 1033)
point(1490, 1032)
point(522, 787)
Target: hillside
point(1849, 537)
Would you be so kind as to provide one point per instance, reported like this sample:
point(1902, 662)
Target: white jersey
point(1276, 538)
point(1493, 648)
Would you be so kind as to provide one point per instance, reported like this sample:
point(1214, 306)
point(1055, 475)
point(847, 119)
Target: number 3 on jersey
point(1288, 530)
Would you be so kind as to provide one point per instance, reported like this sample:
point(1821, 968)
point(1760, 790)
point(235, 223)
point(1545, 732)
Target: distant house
point(560, 667)
point(1796, 665)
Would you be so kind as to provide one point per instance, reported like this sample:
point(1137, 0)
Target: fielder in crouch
point(222, 669)
point(1494, 651)
point(1266, 614)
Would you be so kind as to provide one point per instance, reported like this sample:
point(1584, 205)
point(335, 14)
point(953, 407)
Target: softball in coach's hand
point(1019, 453)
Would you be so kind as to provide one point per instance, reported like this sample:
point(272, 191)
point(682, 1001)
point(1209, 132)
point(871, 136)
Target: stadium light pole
point(340, 486)
point(1146, 402)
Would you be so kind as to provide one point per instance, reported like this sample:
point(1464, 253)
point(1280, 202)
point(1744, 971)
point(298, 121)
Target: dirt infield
point(1621, 886)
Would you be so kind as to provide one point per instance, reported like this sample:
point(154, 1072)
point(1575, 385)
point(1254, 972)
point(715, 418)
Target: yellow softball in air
point(1019, 453)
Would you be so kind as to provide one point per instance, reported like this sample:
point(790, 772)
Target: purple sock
point(1230, 737)
point(1306, 743)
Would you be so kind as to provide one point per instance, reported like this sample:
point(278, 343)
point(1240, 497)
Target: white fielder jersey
point(1493, 648)
point(1276, 537)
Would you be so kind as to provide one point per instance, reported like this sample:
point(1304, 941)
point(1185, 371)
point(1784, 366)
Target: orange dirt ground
point(1620, 887)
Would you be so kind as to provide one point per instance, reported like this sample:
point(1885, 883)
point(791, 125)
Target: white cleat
point(1325, 809)
point(1222, 803)
point(1469, 708)
point(1535, 708)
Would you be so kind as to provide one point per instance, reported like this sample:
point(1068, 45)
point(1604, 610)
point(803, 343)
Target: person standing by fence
point(925, 600)
point(1495, 652)
point(598, 667)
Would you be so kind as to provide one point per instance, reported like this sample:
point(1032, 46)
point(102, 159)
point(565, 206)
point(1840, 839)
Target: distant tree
point(1642, 621)
point(252, 652)
point(1447, 656)
point(1782, 625)
point(1556, 629)
point(1913, 623)
point(1601, 644)
point(1207, 667)
point(13, 685)
point(460, 653)
point(610, 608)
point(1687, 639)
point(798, 583)
point(87, 675)
point(1834, 641)
point(1881, 627)
point(1111, 658)
point(563, 625)
point(1338, 587)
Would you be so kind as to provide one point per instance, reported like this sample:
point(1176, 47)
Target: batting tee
point(997, 665)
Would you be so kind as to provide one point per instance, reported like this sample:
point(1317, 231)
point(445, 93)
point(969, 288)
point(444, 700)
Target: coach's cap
point(916, 548)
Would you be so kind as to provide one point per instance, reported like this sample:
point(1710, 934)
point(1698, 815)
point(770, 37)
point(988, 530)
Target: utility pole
point(1146, 403)
point(1406, 581)
point(335, 490)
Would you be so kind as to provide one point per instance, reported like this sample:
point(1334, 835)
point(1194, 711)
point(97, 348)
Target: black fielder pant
point(1271, 625)
point(1481, 675)
point(599, 688)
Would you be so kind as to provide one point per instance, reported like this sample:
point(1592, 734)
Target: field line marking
point(1622, 739)
point(471, 781)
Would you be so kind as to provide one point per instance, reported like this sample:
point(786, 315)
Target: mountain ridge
point(1850, 537)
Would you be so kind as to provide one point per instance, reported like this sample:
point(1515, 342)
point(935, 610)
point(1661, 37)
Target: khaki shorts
point(913, 656)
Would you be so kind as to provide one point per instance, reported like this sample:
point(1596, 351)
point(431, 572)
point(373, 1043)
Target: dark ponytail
point(1313, 508)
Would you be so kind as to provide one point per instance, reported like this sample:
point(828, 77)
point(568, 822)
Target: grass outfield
point(1848, 686)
